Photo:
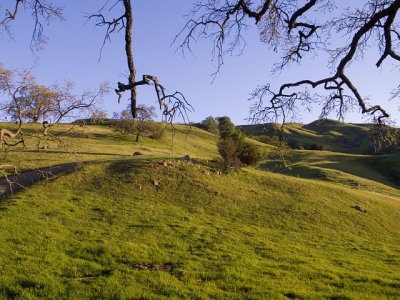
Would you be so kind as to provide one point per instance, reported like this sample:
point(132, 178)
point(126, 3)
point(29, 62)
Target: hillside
point(156, 227)
point(95, 143)
point(329, 135)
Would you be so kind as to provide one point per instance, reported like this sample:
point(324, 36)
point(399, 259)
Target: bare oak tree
point(67, 104)
point(295, 29)
point(18, 89)
point(172, 105)
point(14, 86)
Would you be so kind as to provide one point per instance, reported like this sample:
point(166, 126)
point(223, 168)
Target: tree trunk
point(129, 55)
point(137, 136)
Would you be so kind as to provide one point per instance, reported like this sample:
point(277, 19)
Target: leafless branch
point(42, 11)
point(295, 28)
point(171, 105)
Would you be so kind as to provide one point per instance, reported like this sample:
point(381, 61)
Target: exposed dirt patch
point(150, 267)
point(167, 268)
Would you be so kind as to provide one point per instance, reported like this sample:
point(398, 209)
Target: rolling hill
point(327, 134)
point(156, 227)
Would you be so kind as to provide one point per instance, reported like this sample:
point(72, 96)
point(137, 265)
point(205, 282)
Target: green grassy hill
point(155, 227)
point(329, 134)
point(97, 143)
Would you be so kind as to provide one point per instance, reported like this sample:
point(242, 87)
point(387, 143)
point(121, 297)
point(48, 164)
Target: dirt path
point(23, 180)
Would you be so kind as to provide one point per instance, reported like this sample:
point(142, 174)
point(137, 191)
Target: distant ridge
point(323, 134)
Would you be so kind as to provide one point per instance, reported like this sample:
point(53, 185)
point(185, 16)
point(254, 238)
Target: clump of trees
point(233, 147)
point(384, 139)
point(141, 126)
point(210, 124)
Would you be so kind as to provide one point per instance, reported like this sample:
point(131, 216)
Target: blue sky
point(73, 50)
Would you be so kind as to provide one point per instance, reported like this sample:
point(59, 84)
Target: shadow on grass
point(125, 167)
point(70, 152)
point(322, 171)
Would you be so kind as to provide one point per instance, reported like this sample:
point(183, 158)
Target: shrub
point(233, 148)
point(149, 129)
point(384, 138)
point(226, 127)
point(229, 150)
point(313, 147)
point(249, 154)
point(155, 131)
point(125, 126)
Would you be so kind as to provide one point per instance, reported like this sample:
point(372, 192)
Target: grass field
point(154, 227)
point(99, 143)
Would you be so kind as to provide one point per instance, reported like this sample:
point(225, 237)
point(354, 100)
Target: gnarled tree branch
point(169, 104)
point(222, 21)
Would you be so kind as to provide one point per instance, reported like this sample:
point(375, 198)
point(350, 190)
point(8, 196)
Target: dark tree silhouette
point(42, 11)
point(170, 104)
point(297, 28)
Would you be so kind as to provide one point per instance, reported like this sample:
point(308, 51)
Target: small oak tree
point(233, 147)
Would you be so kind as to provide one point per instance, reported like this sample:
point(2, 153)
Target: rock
point(360, 208)
point(186, 158)
point(155, 182)
point(136, 153)
point(167, 163)
point(354, 183)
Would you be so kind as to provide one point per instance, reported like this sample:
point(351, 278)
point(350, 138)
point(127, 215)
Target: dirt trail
point(23, 180)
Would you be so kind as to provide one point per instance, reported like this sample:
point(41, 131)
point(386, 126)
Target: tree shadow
point(321, 168)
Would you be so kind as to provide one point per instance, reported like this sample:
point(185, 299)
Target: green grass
point(250, 234)
point(331, 135)
point(127, 227)
point(365, 172)
point(99, 143)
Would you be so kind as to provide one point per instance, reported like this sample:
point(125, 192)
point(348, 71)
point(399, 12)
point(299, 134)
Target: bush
point(155, 131)
point(229, 150)
point(233, 147)
point(140, 128)
point(226, 127)
point(237, 153)
point(249, 154)
point(313, 147)
point(125, 126)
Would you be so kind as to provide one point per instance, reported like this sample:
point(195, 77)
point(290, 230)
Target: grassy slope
point(250, 234)
point(332, 135)
point(101, 143)
point(374, 173)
